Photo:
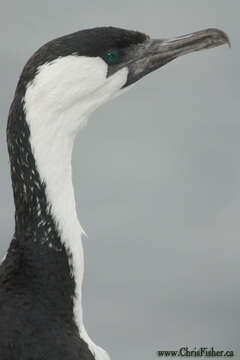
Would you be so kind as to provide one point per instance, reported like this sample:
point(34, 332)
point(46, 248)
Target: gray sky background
point(156, 174)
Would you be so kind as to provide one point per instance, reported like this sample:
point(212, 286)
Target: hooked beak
point(153, 53)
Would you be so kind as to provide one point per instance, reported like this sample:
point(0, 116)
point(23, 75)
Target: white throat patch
point(57, 103)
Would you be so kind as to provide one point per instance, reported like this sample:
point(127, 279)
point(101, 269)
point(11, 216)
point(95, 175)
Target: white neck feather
point(57, 103)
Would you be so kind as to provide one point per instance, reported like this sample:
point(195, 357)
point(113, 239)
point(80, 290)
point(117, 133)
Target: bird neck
point(45, 217)
point(40, 143)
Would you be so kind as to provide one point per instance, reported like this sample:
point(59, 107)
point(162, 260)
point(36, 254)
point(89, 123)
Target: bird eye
point(112, 56)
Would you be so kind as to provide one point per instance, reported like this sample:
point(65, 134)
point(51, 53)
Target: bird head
point(77, 73)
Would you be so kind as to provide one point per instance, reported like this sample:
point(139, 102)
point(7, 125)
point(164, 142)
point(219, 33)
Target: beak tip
point(221, 36)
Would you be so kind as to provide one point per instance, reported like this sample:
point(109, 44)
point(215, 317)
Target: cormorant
point(60, 86)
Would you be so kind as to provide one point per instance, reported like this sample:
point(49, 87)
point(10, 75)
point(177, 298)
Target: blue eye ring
point(112, 56)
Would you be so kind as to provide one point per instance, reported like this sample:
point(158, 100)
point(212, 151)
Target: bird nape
point(60, 86)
